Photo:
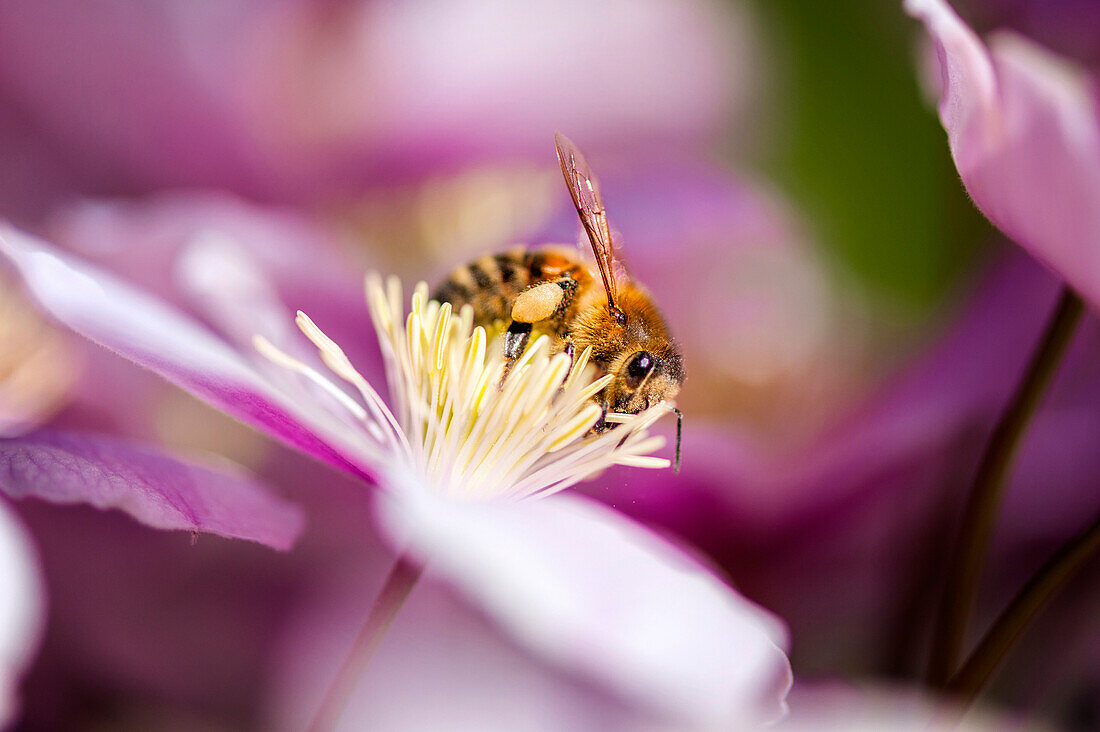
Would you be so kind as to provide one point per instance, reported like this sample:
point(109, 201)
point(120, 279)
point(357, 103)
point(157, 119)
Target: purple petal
point(1024, 130)
point(158, 490)
point(22, 609)
point(154, 335)
point(589, 589)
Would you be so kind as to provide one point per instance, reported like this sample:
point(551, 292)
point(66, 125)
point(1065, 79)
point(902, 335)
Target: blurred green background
point(860, 151)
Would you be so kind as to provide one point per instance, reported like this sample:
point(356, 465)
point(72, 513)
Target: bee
point(552, 290)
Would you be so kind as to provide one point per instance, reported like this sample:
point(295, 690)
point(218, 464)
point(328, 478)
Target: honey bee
point(551, 290)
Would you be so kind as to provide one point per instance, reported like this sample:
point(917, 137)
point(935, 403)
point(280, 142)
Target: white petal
point(442, 666)
point(587, 588)
point(152, 333)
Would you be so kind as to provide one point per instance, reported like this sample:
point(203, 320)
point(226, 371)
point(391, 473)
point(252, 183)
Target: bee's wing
point(585, 191)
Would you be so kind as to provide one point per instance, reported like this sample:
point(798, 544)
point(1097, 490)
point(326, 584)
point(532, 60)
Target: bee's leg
point(537, 303)
point(568, 287)
point(602, 425)
point(516, 339)
point(679, 437)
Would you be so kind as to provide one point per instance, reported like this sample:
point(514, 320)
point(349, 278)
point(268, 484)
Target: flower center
point(462, 420)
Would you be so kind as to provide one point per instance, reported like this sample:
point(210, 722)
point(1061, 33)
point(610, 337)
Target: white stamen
point(268, 350)
point(455, 422)
point(337, 361)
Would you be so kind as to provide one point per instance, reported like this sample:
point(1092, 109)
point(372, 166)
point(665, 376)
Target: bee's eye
point(639, 367)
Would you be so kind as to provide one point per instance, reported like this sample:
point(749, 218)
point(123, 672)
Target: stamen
point(644, 461)
point(455, 423)
point(337, 361)
point(578, 367)
point(575, 429)
point(268, 350)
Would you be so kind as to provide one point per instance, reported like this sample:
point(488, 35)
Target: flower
point(571, 579)
point(1024, 128)
point(22, 607)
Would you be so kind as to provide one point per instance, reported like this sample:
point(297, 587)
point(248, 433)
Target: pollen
point(461, 420)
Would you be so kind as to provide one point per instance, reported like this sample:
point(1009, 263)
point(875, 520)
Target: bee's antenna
point(679, 437)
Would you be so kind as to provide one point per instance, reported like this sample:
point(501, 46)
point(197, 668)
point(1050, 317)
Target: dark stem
point(984, 499)
point(1039, 590)
point(398, 585)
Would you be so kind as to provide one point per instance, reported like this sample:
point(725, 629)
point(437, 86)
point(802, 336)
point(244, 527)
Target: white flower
point(571, 579)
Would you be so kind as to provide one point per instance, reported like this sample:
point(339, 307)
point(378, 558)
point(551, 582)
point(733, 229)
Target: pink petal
point(22, 609)
point(156, 489)
point(589, 589)
point(1024, 130)
point(153, 334)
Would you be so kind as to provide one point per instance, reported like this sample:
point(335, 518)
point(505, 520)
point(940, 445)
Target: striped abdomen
point(491, 283)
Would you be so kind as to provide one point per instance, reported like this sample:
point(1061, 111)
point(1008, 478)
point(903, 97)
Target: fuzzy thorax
point(463, 424)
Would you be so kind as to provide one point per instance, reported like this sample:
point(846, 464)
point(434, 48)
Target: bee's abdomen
point(489, 285)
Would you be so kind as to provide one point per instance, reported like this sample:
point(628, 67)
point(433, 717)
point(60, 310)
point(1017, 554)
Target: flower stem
point(1038, 591)
point(984, 499)
point(399, 584)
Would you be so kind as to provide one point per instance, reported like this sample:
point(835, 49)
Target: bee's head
point(639, 351)
point(644, 378)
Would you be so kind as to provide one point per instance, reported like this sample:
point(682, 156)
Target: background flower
point(306, 100)
point(1025, 134)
